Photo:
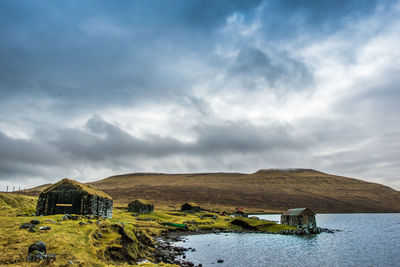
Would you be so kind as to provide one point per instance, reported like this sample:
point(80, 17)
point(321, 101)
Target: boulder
point(140, 206)
point(26, 226)
point(45, 228)
point(35, 221)
point(39, 246)
point(66, 217)
point(37, 253)
point(35, 256)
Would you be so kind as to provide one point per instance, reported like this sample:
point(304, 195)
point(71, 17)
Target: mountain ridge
point(268, 190)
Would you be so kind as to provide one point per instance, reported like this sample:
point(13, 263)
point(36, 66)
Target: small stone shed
point(71, 197)
point(191, 207)
point(140, 206)
point(301, 217)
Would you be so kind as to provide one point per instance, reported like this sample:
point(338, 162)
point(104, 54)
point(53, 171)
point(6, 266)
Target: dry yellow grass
point(119, 241)
point(69, 240)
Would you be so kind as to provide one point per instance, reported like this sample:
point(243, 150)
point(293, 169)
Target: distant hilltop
point(287, 170)
point(267, 190)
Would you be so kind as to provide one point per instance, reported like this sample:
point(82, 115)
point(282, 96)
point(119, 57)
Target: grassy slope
point(122, 238)
point(267, 190)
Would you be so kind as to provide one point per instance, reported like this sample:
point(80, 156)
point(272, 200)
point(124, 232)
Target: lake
point(363, 240)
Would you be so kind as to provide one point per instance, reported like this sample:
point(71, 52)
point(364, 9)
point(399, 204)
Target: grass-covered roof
point(299, 211)
point(83, 187)
point(143, 201)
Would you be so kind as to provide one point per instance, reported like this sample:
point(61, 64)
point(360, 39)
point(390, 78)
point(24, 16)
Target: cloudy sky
point(89, 89)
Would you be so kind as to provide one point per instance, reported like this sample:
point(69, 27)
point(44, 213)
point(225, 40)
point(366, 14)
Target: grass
point(13, 204)
point(122, 240)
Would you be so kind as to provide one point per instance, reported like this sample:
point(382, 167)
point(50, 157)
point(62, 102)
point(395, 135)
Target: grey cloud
point(277, 70)
point(23, 159)
point(242, 137)
point(105, 141)
point(25, 151)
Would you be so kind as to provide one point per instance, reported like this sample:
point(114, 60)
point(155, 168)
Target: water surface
point(364, 240)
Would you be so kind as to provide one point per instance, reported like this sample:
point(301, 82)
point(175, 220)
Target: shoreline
point(167, 252)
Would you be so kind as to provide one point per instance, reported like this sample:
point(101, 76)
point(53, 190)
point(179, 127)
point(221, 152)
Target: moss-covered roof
point(143, 201)
point(299, 211)
point(83, 187)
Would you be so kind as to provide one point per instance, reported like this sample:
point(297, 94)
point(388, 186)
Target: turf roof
point(143, 201)
point(299, 211)
point(83, 187)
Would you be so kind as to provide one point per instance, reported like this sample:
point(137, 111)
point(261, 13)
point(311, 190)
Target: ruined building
point(140, 206)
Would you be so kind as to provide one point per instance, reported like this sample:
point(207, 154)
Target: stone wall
point(299, 221)
point(82, 202)
point(40, 206)
point(139, 207)
point(99, 206)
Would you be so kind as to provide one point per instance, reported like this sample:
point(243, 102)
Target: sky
point(90, 89)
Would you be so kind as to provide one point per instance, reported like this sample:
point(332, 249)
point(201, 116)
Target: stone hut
point(301, 217)
point(190, 207)
point(140, 206)
point(71, 197)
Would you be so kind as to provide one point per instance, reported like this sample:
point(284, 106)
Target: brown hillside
point(268, 190)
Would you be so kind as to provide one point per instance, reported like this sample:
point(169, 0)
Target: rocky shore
point(306, 231)
point(168, 253)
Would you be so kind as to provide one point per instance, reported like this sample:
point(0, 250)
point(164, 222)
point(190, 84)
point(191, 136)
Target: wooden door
point(65, 202)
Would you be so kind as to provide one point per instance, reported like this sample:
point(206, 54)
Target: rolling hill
point(265, 190)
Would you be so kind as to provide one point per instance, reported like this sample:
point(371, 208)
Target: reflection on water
point(364, 240)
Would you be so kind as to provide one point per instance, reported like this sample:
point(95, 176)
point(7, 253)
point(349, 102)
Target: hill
point(265, 190)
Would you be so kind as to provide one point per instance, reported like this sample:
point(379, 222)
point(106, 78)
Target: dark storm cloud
point(106, 50)
point(102, 50)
